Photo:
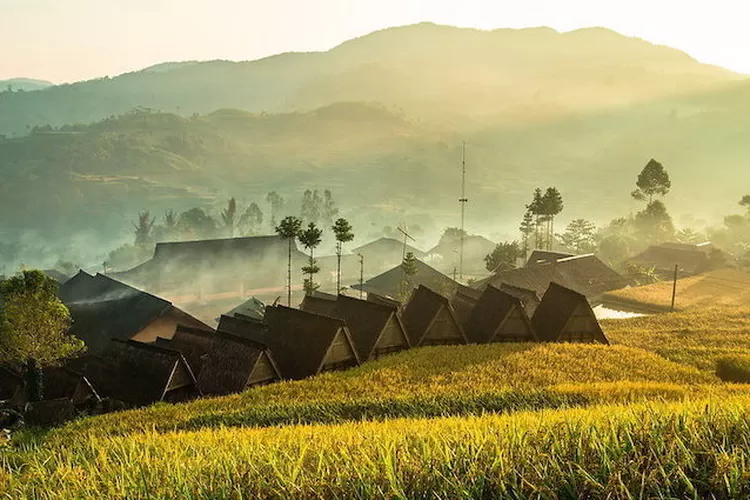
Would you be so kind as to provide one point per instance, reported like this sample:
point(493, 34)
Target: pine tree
point(652, 181)
point(552, 206)
point(527, 228)
point(289, 229)
point(409, 268)
point(342, 229)
point(310, 238)
point(536, 209)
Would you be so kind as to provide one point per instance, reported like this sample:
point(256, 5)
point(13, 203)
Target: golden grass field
point(646, 417)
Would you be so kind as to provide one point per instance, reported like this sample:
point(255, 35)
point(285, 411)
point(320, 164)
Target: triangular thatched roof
point(564, 311)
point(192, 343)
point(421, 311)
point(319, 303)
point(389, 283)
point(492, 312)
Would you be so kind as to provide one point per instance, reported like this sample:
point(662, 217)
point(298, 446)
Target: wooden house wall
point(514, 329)
point(263, 372)
point(581, 327)
point(443, 331)
point(340, 354)
point(393, 339)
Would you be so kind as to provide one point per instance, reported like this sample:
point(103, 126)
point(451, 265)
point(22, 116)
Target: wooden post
point(361, 274)
point(674, 286)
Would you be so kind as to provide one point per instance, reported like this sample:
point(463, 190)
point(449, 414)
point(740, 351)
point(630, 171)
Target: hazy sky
point(67, 40)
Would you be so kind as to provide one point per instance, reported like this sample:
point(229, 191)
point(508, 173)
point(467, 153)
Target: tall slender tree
point(342, 229)
point(143, 228)
point(310, 239)
point(289, 229)
point(652, 181)
point(329, 210)
point(228, 217)
point(527, 229)
point(409, 268)
point(552, 206)
point(251, 220)
point(535, 208)
point(276, 204)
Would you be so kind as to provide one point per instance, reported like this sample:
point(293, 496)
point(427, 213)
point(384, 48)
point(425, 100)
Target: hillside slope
point(430, 71)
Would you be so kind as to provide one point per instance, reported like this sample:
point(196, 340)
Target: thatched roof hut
point(528, 298)
point(463, 302)
point(390, 283)
point(140, 374)
point(234, 364)
point(319, 303)
point(304, 344)
point(566, 316)
point(192, 343)
point(242, 326)
point(499, 317)
point(429, 319)
point(375, 329)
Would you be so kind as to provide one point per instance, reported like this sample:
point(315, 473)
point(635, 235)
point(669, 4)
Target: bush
point(734, 368)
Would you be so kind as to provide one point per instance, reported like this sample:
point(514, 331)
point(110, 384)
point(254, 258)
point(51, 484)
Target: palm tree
point(343, 231)
point(310, 238)
point(228, 216)
point(289, 229)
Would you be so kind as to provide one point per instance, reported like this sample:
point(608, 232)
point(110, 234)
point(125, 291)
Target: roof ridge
point(143, 345)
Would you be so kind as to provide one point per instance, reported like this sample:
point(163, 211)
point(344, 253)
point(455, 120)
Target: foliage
point(654, 224)
point(143, 229)
point(34, 380)
point(504, 257)
point(329, 210)
point(745, 202)
point(34, 323)
point(409, 268)
point(342, 230)
point(579, 236)
point(545, 207)
point(289, 228)
point(228, 217)
point(196, 224)
point(689, 236)
point(311, 209)
point(276, 202)
point(310, 239)
point(251, 220)
point(527, 229)
point(734, 368)
point(128, 256)
point(652, 181)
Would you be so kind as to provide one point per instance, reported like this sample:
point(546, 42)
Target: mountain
point(24, 84)
point(430, 71)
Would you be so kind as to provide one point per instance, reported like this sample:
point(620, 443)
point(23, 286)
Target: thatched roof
point(103, 308)
point(558, 305)
point(242, 326)
point(690, 259)
point(192, 343)
point(585, 274)
point(420, 312)
point(490, 312)
point(136, 373)
point(538, 257)
point(319, 303)
point(299, 340)
point(383, 301)
point(62, 382)
point(253, 308)
point(528, 298)
point(390, 246)
point(389, 283)
point(463, 302)
point(229, 363)
point(365, 320)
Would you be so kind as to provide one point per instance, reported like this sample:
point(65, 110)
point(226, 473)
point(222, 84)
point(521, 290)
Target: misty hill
point(377, 162)
point(24, 84)
point(430, 71)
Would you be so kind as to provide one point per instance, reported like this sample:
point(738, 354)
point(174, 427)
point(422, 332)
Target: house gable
point(392, 338)
point(443, 329)
point(263, 372)
point(340, 353)
point(582, 327)
point(514, 328)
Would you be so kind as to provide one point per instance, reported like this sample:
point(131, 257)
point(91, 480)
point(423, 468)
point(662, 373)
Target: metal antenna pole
point(463, 201)
point(406, 235)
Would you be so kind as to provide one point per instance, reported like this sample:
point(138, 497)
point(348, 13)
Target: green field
point(646, 417)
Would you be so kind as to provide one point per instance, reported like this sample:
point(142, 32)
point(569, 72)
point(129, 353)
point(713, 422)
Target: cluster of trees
point(34, 326)
point(539, 220)
point(233, 221)
point(291, 228)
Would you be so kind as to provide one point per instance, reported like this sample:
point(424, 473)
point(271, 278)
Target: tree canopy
point(34, 323)
point(503, 257)
point(652, 181)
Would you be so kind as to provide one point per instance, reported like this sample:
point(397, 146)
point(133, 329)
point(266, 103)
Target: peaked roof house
point(252, 308)
point(242, 326)
point(234, 364)
point(499, 317)
point(141, 374)
point(463, 302)
point(305, 344)
point(689, 259)
point(192, 343)
point(444, 255)
point(429, 319)
point(319, 303)
point(376, 329)
point(566, 316)
point(390, 283)
point(586, 274)
point(219, 266)
point(384, 253)
point(538, 257)
point(103, 308)
point(528, 298)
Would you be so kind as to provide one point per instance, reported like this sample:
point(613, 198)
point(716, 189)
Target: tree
point(329, 208)
point(276, 203)
point(288, 229)
point(310, 238)
point(342, 229)
point(170, 224)
point(527, 228)
point(311, 206)
point(536, 209)
point(689, 236)
point(579, 236)
point(654, 223)
point(34, 326)
point(195, 223)
point(551, 206)
point(503, 257)
point(652, 181)
point(409, 268)
point(143, 228)
point(745, 202)
point(251, 220)
point(228, 216)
